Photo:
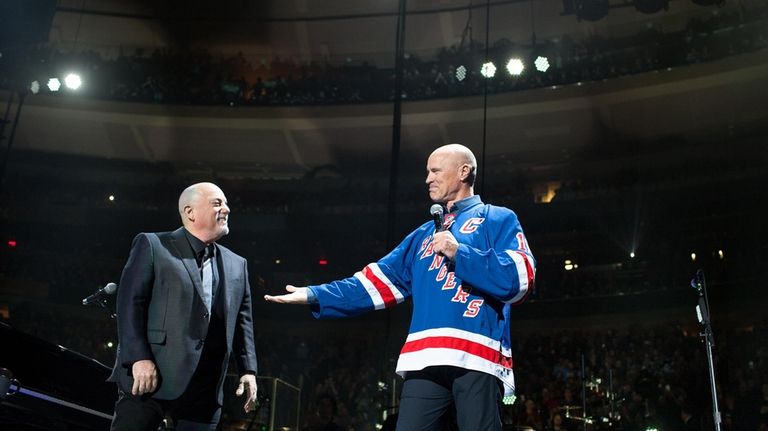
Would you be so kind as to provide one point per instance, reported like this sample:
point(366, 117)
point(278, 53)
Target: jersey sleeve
point(378, 285)
point(505, 270)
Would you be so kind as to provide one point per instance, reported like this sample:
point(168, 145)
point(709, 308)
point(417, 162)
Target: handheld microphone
point(437, 216)
point(109, 289)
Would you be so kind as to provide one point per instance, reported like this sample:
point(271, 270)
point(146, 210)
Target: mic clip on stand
point(702, 313)
point(102, 302)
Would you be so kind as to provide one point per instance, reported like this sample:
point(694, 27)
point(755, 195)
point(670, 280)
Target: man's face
point(443, 177)
point(211, 213)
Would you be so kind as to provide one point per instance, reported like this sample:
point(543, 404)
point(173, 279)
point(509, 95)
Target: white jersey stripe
point(520, 260)
point(414, 361)
point(378, 302)
point(374, 267)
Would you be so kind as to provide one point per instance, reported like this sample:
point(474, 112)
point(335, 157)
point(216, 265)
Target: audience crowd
point(196, 76)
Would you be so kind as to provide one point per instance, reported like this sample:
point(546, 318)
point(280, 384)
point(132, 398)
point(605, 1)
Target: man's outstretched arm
point(296, 295)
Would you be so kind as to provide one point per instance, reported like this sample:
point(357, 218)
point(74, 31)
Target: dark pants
point(196, 410)
point(428, 394)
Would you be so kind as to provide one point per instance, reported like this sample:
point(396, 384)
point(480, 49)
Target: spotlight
point(54, 84)
point(515, 66)
point(632, 255)
point(461, 73)
point(34, 87)
point(693, 257)
point(73, 81)
point(542, 64)
point(488, 70)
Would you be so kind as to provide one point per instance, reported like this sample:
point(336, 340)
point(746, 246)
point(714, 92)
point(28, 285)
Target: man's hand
point(445, 243)
point(144, 377)
point(247, 386)
point(297, 295)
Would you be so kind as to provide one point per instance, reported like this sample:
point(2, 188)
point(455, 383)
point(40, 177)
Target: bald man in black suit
point(183, 307)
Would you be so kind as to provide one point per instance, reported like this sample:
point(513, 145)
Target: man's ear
point(464, 172)
point(189, 212)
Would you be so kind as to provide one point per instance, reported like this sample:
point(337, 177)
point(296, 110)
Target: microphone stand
point(702, 313)
point(103, 304)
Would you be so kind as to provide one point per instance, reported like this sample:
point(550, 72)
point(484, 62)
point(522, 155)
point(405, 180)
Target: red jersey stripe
point(461, 344)
point(386, 294)
point(529, 274)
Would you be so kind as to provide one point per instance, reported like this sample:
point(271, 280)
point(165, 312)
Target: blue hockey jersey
point(461, 309)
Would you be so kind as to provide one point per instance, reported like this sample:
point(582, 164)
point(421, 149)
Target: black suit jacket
point(161, 315)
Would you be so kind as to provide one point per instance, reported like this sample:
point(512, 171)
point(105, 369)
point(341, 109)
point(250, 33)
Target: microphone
point(109, 289)
point(437, 216)
point(697, 280)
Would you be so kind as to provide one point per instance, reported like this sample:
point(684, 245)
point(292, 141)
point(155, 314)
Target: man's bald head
point(204, 211)
point(190, 195)
point(451, 171)
point(459, 155)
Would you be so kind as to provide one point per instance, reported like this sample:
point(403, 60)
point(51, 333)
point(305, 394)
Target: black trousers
point(188, 412)
point(428, 394)
point(196, 409)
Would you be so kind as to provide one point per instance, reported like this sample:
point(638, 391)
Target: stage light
point(277, 261)
point(508, 400)
point(11, 243)
point(110, 344)
point(488, 70)
point(34, 87)
point(569, 265)
point(632, 255)
point(54, 84)
point(73, 81)
point(322, 262)
point(720, 254)
point(461, 73)
point(693, 257)
point(541, 63)
point(111, 198)
point(515, 66)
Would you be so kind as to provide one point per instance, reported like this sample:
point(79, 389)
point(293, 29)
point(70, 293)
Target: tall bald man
point(183, 307)
point(462, 281)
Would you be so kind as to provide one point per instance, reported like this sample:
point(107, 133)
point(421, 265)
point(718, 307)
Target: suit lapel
point(226, 264)
point(224, 288)
point(180, 243)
